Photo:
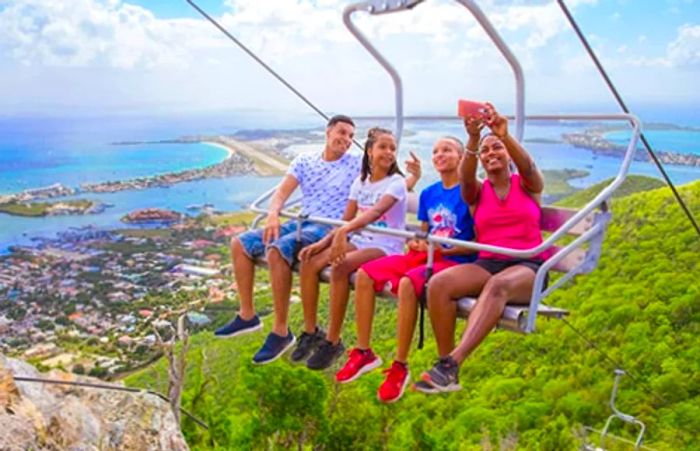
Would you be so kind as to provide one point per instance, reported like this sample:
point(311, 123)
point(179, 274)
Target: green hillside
point(641, 306)
point(632, 184)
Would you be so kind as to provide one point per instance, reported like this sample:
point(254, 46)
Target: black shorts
point(494, 266)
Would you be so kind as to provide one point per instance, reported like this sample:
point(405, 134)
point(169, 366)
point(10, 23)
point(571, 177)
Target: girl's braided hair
point(372, 137)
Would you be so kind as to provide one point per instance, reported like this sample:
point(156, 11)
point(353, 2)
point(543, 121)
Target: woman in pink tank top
point(506, 211)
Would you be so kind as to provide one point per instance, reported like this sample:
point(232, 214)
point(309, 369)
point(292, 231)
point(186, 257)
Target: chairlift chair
point(586, 226)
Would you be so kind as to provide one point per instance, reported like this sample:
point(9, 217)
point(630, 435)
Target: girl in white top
point(377, 197)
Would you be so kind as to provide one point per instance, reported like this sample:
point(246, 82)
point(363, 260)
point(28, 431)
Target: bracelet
point(471, 152)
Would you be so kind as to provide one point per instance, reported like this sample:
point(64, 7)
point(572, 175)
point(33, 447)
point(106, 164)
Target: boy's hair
point(339, 118)
point(456, 140)
point(372, 136)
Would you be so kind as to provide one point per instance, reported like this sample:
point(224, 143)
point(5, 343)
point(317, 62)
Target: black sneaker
point(307, 344)
point(274, 347)
point(239, 326)
point(444, 375)
point(325, 355)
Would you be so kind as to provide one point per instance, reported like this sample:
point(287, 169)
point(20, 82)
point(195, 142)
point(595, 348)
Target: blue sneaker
point(274, 347)
point(239, 326)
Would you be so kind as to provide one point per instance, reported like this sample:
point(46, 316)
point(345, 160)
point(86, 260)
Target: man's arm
point(272, 223)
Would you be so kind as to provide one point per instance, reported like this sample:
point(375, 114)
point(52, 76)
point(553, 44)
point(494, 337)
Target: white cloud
point(97, 33)
point(684, 51)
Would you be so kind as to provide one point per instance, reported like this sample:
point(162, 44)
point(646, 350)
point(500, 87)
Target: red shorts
point(392, 268)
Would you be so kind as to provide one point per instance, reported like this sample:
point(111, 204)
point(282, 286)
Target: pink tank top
point(513, 222)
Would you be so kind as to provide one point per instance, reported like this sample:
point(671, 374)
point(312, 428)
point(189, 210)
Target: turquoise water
point(679, 141)
point(40, 152)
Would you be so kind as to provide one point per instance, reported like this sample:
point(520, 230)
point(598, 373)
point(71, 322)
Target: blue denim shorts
point(286, 244)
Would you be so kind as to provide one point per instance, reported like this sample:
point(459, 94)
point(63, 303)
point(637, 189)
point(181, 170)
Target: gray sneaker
point(424, 387)
point(325, 355)
point(307, 344)
point(444, 376)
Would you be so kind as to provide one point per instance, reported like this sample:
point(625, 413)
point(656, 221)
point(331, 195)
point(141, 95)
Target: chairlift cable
point(263, 64)
point(615, 363)
point(622, 104)
point(107, 387)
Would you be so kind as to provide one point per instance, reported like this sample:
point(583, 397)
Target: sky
point(162, 57)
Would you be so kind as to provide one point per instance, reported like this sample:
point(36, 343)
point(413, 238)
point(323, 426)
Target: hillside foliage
point(641, 306)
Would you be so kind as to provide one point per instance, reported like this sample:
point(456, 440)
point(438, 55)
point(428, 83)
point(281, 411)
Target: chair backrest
point(552, 219)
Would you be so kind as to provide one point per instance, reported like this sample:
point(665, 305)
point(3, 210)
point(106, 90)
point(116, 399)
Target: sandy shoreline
point(229, 149)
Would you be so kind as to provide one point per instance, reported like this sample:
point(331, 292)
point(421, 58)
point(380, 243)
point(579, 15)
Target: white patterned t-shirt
point(367, 194)
point(325, 185)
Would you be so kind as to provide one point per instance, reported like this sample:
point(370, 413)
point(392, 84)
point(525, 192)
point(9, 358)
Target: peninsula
point(594, 140)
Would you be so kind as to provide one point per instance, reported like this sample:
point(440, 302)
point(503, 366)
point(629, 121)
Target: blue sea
point(40, 151)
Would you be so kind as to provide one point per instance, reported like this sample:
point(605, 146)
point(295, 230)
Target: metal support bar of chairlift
point(622, 416)
point(596, 202)
point(377, 7)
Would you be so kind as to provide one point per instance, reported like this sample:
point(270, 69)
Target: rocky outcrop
point(52, 417)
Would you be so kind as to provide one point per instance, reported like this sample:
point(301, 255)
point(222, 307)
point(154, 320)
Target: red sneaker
point(392, 388)
point(359, 362)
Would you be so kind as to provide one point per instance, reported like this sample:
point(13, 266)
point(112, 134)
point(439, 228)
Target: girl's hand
point(309, 251)
point(497, 123)
point(417, 245)
point(413, 166)
point(339, 247)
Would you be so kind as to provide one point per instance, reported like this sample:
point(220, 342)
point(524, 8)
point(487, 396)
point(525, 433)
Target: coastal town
point(88, 301)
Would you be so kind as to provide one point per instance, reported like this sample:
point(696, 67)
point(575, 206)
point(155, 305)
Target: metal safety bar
point(598, 200)
point(377, 7)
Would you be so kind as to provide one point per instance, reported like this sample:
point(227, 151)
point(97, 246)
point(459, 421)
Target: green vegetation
point(557, 181)
point(42, 208)
point(632, 184)
point(640, 306)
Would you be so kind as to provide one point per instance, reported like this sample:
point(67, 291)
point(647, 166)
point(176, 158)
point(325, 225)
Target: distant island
point(594, 139)
point(66, 207)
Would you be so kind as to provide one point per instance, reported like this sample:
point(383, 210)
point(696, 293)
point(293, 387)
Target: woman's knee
point(498, 287)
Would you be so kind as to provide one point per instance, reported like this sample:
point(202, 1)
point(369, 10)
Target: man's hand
point(272, 228)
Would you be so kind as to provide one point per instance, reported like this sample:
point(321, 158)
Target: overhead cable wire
point(263, 64)
point(615, 363)
point(623, 105)
point(107, 387)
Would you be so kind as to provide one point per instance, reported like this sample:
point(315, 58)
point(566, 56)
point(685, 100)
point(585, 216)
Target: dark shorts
point(494, 266)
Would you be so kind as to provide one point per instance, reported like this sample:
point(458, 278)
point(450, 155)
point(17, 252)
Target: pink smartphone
point(470, 108)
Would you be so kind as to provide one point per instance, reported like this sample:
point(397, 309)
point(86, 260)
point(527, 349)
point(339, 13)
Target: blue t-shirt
point(447, 215)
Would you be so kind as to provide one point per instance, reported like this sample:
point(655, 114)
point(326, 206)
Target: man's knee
point(275, 258)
